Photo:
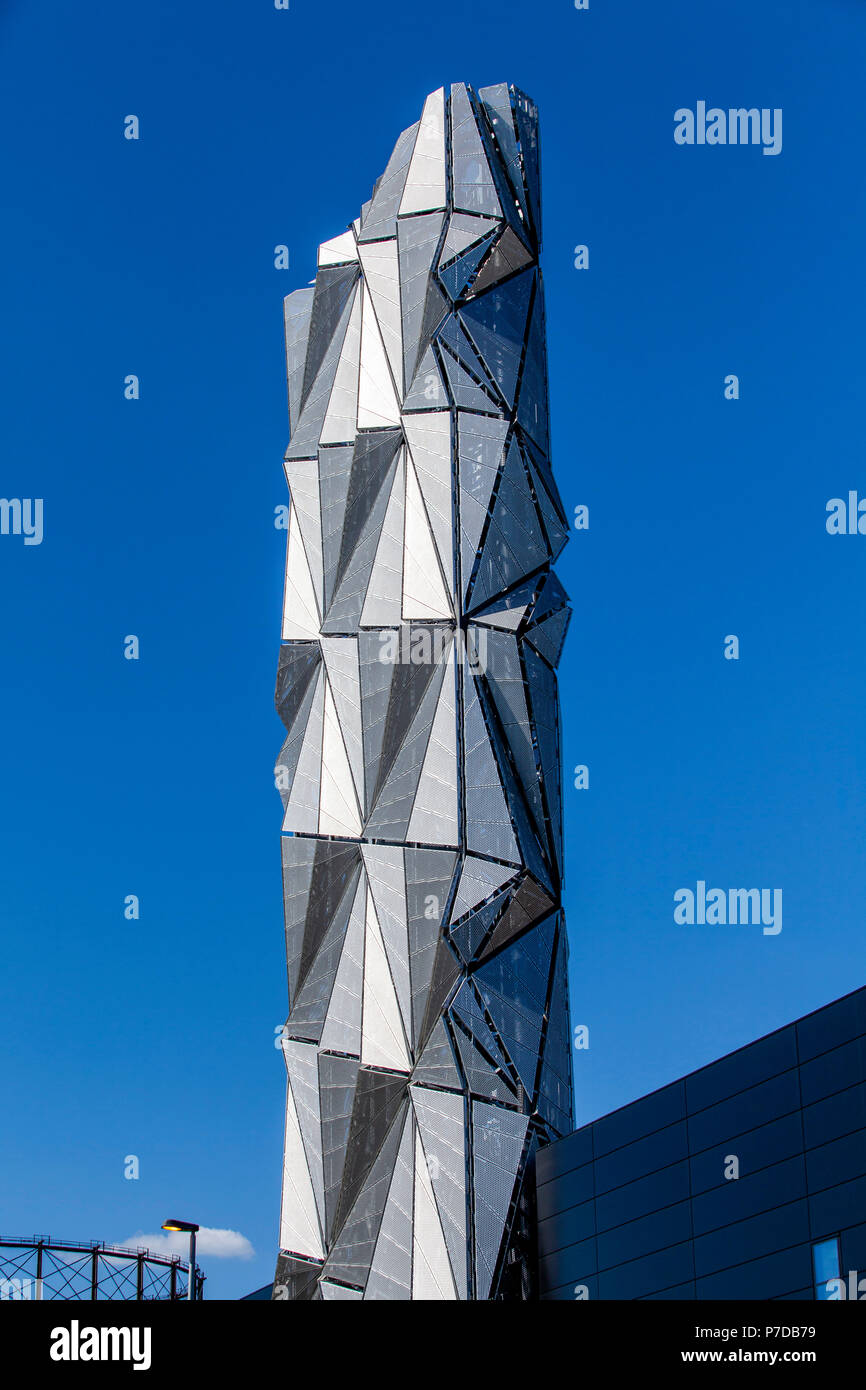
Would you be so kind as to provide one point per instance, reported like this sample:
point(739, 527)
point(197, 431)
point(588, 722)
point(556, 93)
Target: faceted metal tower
point(427, 1045)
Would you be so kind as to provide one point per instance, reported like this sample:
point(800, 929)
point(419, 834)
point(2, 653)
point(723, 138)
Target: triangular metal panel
point(425, 595)
point(391, 1268)
point(377, 676)
point(499, 1136)
point(551, 597)
point(469, 1012)
point(441, 1121)
point(373, 468)
point(488, 825)
point(482, 1077)
point(302, 809)
point(481, 440)
point(382, 279)
point(393, 686)
point(526, 121)
point(428, 438)
point(496, 323)
point(307, 432)
point(341, 663)
point(540, 464)
point(465, 230)
point(342, 1029)
point(541, 682)
point(459, 274)
point(436, 1065)
point(496, 104)
point(300, 1232)
point(429, 873)
point(444, 976)
point(425, 188)
point(466, 393)
point(378, 1105)
point(554, 524)
point(339, 804)
point(417, 242)
point(432, 1277)
point(354, 1248)
point(479, 880)
point(335, 472)
point(469, 934)
point(383, 604)
point(298, 857)
point(297, 308)
point(296, 1279)
point(435, 811)
point(383, 1033)
point(472, 183)
point(340, 250)
point(529, 905)
point(452, 336)
point(333, 291)
point(555, 1088)
point(513, 986)
point(428, 391)
point(503, 681)
point(386, 875)
point(333, 880)
point(302, 1066)
point(310, 1004)
point(507, 257)
point(298, 665)
point(341, 418)
point(300, 604)
point(338, 1077)
point(392, 809)
point(532, 406)
point(378, 391)
point(548, 637)
point(380, 217)
point(302, 476)
point(514, 543)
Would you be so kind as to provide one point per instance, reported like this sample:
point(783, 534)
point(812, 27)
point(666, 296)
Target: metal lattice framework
point(37, 1267)
point(427, 1044)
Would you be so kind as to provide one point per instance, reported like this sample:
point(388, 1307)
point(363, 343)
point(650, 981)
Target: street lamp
point(190, 1226)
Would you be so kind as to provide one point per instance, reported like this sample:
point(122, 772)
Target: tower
point(427, 1044)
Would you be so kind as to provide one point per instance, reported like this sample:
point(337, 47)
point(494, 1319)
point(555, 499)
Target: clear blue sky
point(261, 127)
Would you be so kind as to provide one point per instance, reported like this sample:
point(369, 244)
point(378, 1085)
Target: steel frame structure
point(46, 1269)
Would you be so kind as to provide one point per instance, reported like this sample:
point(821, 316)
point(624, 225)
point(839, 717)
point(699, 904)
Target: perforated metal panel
point(427, 1036)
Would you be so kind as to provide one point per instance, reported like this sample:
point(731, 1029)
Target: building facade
point(744, 1180)
point(427, 1043)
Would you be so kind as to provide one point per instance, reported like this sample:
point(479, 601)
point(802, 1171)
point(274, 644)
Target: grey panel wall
point(637, 1204)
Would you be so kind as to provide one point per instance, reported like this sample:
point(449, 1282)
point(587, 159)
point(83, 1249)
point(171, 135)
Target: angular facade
point(427, 1044)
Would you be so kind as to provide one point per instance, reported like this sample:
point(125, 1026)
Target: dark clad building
point(638, 1205)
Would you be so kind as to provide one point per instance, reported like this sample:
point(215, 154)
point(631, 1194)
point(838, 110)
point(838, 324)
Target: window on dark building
point(825, 1257)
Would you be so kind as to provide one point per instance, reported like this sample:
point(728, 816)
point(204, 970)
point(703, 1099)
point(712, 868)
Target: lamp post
point(191, 1227)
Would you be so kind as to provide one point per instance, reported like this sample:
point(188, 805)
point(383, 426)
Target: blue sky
point(707, 517)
